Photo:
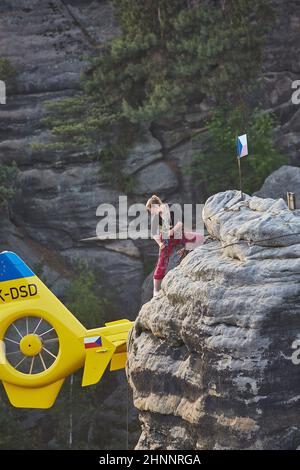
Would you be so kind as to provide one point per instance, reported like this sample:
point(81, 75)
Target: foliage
point(22, 429)
point(215, 168)
point(7, 183)
point(169, 55)
point(82, 406)
point(84, 297)
point(7, 70)
point(12, 432)
point(111, 168)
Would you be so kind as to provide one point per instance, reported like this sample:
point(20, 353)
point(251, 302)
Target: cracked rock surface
point(210, 358)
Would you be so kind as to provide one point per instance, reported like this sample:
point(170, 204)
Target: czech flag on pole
point(242, 146)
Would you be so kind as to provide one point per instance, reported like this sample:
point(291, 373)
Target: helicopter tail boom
point(103, 346)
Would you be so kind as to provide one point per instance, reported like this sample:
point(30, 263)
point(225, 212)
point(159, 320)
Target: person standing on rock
point(170, 235)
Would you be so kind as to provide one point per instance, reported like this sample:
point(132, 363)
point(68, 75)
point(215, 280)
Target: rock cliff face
point(281, 67)
point(58, 192)
point(210, 358)
point(286, 178)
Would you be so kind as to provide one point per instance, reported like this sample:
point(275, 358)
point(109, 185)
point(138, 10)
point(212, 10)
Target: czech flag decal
point(92, 342)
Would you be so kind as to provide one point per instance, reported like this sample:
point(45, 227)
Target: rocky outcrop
point(210, 358)
point(147, 288)
point(285, 179)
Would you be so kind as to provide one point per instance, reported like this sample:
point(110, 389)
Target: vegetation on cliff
point(170, 56)
point(7, 172)
point(7, 71)
point(216, 168)
point(7, 180)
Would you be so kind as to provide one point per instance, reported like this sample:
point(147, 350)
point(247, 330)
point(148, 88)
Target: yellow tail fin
point(40, 397)
point(97, 359)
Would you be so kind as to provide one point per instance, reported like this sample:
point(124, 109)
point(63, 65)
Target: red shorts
point(164, 254)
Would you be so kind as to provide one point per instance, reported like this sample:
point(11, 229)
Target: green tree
point(169, 55)
point(215, 168)
point(84, 297)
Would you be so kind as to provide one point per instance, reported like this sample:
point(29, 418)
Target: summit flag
point(242, 146)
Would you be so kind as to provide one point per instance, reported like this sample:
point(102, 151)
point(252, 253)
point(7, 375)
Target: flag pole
point(242, 151)
point(240, 175)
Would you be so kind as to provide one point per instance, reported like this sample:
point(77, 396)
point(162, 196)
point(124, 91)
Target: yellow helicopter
point(42, 342)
